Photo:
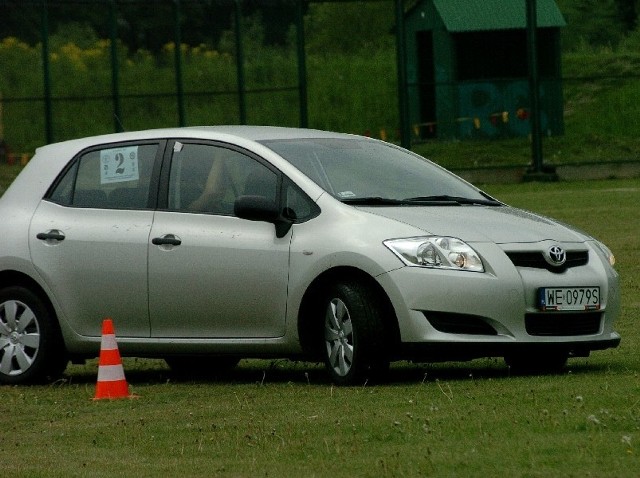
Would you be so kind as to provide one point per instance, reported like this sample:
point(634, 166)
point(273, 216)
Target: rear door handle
point(166, 240)
point(52, 235)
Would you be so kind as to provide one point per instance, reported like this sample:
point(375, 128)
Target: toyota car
point(207, 245)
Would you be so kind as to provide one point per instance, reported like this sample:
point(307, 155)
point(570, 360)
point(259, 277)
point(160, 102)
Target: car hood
point(498, 224)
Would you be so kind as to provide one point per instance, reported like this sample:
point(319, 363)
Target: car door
point(211, 274)
point(89, 237)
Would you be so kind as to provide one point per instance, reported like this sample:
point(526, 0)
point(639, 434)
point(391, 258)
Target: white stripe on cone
point(108, 342)
point(110, 373)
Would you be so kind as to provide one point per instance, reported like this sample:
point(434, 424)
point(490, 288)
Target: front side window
point(297, 205)
point(208, 179)
point(113, 177)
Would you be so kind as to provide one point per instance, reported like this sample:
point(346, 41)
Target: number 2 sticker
point(119, 165)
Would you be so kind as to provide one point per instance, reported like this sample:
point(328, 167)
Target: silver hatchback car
point(211, 244)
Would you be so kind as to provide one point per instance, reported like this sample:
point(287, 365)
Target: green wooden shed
point(467, 69)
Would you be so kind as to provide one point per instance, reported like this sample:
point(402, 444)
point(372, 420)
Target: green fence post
point(242, 100)
point(537, 170)
point(532, 25)
point(46, 73)
point(178, 62)
point(302, 66)
point(115, 81)
point(405, 138)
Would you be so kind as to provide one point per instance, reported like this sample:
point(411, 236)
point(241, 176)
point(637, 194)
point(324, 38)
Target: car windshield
point(368, 172)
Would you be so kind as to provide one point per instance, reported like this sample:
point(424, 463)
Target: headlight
point(436, 252)
point(606, 253)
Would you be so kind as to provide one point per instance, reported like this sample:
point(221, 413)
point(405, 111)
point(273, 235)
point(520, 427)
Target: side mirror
point(259, 208)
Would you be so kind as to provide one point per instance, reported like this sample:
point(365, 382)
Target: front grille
point(563, 324)
point(537, 261)
point(452, 323)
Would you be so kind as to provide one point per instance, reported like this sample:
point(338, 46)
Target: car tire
point(31, 345)
point(353, 334)
point(549, 362)
point(201, 366)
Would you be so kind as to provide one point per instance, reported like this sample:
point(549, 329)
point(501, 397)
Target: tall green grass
point(339, 99)
point(352, 92)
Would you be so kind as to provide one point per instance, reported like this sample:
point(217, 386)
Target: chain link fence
point(197, 62)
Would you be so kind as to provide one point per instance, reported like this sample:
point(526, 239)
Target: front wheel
point(31, 347)
point(353, 334)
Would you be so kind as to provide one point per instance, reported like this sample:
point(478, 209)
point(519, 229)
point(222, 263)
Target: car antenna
point(120, 125)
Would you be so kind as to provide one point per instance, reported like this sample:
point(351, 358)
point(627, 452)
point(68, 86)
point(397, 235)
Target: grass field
point(278, 418)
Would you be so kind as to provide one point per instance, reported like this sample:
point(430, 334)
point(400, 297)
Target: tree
point(591, 22)
point(346, 27)
point(628, 12)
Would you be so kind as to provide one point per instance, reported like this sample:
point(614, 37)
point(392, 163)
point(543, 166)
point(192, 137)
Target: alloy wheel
point(19, 338)
point(338, 336)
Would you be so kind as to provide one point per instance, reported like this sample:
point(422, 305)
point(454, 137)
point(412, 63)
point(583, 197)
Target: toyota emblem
point(556, 256)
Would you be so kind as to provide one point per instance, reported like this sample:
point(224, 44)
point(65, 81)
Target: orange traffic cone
point(111, 381)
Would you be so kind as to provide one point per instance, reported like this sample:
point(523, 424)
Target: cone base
point(112, 390)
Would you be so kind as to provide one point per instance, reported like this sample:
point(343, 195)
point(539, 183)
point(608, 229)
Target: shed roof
point(476, 15)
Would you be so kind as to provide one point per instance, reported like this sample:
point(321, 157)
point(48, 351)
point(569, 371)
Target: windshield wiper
point(446, 199)
point(441, 200)
point(373, 201)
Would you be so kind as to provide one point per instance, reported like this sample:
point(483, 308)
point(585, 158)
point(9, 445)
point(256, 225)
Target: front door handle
point(52, 235)
point(166, 240)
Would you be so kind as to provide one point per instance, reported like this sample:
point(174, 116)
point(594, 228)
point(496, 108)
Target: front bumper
point(453, 315)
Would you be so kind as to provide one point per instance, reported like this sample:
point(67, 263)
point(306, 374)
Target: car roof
point(51, 158)
point(263, 133)
point(222, 133)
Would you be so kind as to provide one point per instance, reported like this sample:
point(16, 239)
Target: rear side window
point(114, 177)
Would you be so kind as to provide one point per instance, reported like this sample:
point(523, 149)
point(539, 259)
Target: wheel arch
point(48, 356)
point(308, 327)
point(11, 278)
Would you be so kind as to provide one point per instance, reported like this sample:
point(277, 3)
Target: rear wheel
point(31, 346)
point(354, 348)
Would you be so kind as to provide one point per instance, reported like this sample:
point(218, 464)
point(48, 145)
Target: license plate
point(569, 298)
